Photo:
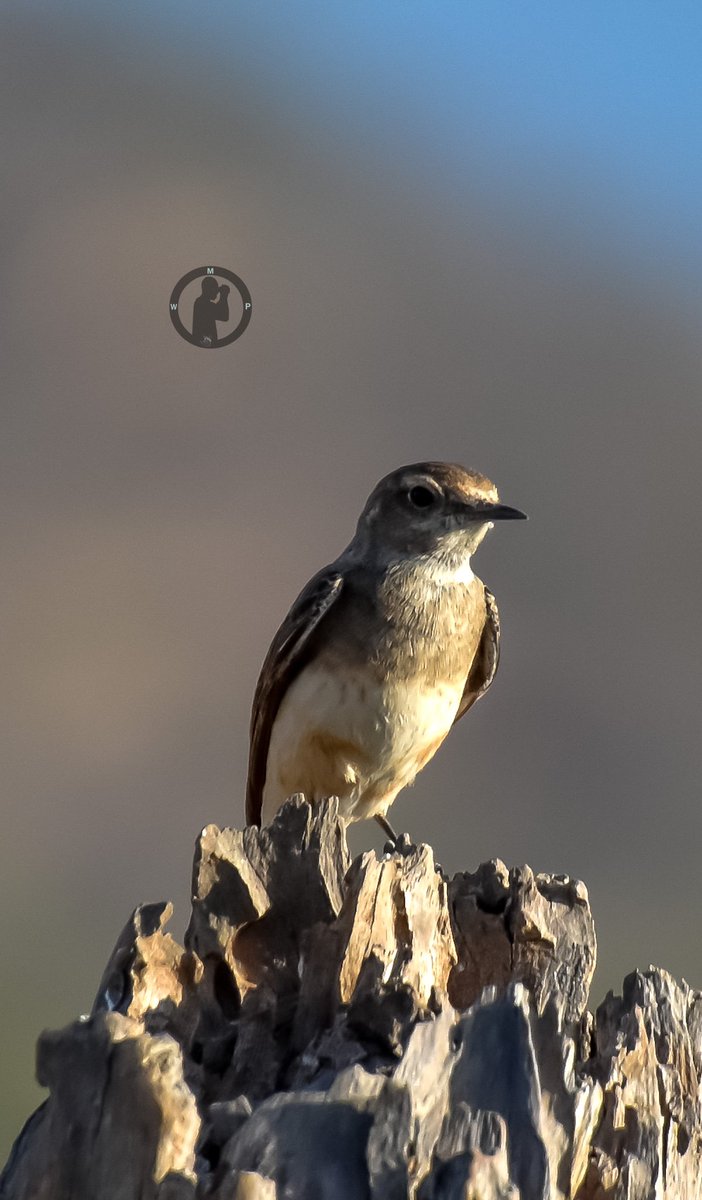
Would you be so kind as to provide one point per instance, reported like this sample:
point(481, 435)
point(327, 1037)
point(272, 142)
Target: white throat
point(446, 575)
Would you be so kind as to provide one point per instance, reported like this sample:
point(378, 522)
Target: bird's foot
point(402, 844)
point(398, 843)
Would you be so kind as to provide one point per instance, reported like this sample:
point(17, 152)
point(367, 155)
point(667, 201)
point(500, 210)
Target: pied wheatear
point(382, 652)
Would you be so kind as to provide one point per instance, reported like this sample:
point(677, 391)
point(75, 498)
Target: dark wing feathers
point(484, 665)
point(289, 653)
point(282, 664)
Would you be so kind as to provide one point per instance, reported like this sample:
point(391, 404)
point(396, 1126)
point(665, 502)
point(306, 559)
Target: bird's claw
point(403, 845)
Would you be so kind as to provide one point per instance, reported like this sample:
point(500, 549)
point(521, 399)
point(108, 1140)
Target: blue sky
point(590, 108)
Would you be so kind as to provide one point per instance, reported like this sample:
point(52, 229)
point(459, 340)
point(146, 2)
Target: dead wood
point(365, 1030)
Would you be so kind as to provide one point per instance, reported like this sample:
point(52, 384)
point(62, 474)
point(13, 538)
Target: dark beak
point(496, 512)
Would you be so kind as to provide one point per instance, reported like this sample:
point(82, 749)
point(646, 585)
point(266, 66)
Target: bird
point(383, 651)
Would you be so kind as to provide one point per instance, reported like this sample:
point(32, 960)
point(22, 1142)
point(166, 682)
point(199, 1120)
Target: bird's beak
point(495, 512)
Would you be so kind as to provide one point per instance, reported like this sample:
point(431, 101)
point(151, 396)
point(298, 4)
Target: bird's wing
point(285, 659)
point(485, 662)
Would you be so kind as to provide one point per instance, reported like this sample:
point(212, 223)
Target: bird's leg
point(400, 843)
point(386, 828)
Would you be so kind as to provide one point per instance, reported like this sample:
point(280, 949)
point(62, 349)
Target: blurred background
point(470, 231)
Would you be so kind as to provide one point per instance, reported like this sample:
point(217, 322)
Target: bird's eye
point(421, 497)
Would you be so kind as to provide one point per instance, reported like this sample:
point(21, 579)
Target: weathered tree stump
point(365, 1030)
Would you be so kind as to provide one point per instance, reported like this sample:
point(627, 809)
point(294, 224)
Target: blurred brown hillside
point(162, 506)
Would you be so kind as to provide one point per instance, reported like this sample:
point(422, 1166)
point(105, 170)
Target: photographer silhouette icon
point(210, 308)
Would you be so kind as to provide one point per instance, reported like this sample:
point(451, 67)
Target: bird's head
point(430, 508)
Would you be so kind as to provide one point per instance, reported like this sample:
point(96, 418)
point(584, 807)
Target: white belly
point(339, 735)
